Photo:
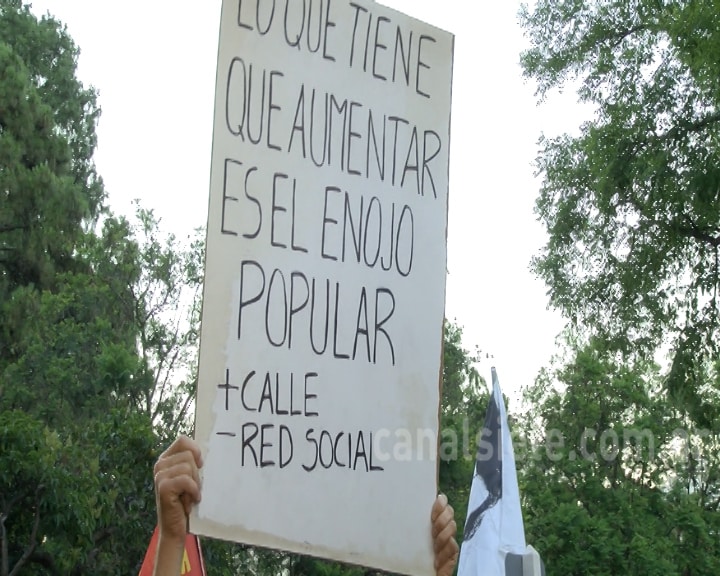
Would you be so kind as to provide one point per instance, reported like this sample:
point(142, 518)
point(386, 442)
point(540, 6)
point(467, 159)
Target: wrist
point(169, 555)
point(171, 542)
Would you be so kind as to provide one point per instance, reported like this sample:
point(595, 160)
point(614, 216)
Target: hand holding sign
point(177, 489)
point(444, 529)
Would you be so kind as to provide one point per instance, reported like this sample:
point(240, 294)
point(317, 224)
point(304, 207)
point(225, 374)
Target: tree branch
point(12, 228)
point(4, 561)
point(98, 538)
point(168, 374)
point(687, 127)
point(33, 538)
point(181, 414)
point(693, 231)
point(621, 35)
point(46, 561)
point(4, 514)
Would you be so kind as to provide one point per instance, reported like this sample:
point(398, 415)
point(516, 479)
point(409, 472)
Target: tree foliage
point(71, 372)
point(632, 205)
point(95, 349)
point(48, 183)
point(615, 479)
point(632, 210)
point(462, 415)
point(155, 280)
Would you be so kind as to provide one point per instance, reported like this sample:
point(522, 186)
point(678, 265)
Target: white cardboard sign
point(321, 343)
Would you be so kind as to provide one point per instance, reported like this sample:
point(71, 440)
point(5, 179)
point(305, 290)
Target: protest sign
point(323, 306)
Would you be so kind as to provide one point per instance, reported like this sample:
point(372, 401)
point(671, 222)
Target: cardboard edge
point(207, 221)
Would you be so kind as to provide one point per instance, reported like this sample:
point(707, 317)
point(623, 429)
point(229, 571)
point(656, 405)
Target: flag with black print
point(494, 535)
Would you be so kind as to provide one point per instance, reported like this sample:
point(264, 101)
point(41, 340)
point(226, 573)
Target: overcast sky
point(153, 63)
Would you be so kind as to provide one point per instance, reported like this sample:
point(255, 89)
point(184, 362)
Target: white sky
point(153, 63)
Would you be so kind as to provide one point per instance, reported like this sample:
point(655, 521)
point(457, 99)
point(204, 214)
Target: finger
point(174, 459)
point(179, 467)
point(183, 459)
point(446, 535)
point(448, 565)
point(445, 517)
point(187, 503)
point(440, 503)
point(173, 487)
point(448, 556)
point(185, 444)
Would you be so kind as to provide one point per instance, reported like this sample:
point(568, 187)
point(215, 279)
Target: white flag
point(494, 535)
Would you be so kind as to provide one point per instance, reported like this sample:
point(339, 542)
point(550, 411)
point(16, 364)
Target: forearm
point(168, 560)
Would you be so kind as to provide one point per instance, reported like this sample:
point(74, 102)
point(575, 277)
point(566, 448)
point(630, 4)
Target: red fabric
point(192, 564)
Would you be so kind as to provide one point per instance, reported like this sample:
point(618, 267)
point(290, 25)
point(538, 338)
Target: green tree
point(48, 180)
point(93, 365)
point(632, 204)
point(610, 484)
point(156, 281)
point(464, 403)
point(632, 210)
point(72, 374)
